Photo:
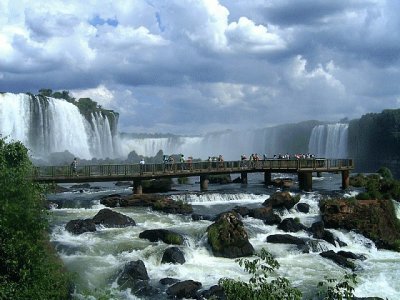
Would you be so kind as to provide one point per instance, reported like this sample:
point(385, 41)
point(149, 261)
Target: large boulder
point(167, 236)
point(134, 276)
point(215, 292)
point(375, 219)
point(285, 239)
point(173, 255)
point(303, 207)
point(281, 200)
point(109, 218)
point(319, 232)
point(228, 237)
point(80, 226)
point(339, 259)
point(184, 289)
point(111, 200)
point(291, 225)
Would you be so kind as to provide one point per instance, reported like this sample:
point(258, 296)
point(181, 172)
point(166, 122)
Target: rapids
point(97, 257)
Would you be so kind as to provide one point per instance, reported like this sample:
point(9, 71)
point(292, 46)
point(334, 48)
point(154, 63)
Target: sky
point(197, 66)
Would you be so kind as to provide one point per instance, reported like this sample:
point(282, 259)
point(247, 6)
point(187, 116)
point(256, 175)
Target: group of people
point(296, 156)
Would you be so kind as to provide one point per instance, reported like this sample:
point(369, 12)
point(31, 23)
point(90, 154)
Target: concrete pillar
point(319, 174)
point(204, 182)
point(137, 187)
point(305, 181)
point(345, 179)
point(243, 177)
point(267, 178)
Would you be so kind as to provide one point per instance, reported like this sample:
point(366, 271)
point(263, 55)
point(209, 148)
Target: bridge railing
point(192, 167)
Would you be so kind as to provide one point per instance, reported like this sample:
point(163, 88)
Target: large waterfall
point(329, 140)
point(47, 125)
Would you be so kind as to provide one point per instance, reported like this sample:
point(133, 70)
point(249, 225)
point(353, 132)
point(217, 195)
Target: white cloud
point(101, 94)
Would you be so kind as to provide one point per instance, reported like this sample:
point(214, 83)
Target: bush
point(385, 173)
point(332, 289)
point(260, 285)
point(29, 267)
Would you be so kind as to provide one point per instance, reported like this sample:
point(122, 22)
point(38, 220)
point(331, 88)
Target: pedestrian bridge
point(137, 172)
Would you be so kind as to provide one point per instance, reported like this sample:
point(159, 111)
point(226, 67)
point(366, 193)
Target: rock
point(215, 292)
point(168, 281)
point(111, 200)
point(285, 239)
point(173, 255)
point(184, 289)
point(282, 182)
point(198, 217)
point(80, 186)
point(133, 271)
point(348, 254)
point(228, 238)
point(237, 180)
point(291, 225)
point(375, 219)
point(142, 288)
point(272, 219)
point(157, 185)
point(340, 260)
point(242, 210)
point(123, 183)
point(109, 218)
point(303, 207)
point(281, 200)
point(220, 179)
point(319, 232)
point(261, 213)
point(80, 226)
point(167, 236)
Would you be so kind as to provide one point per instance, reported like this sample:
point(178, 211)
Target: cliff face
point(375, 219)
point(374, 141)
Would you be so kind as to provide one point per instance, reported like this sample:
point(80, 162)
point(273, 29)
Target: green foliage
point(385, 173)
point(332, 289)
point(29, 268)
point(260, 285)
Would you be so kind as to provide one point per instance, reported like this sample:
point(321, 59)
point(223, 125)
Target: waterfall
point(329, 140)
point(47, 125)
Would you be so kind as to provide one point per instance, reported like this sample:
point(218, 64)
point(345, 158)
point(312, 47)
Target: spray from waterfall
point(329, 140)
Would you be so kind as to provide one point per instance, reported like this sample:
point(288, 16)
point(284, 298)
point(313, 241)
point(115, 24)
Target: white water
point(329, 141)
point(98, 257)
point(54, 125)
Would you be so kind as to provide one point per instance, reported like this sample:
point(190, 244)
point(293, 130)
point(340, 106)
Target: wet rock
point(220, 179)
point(272, 219)
point(242, 210)
point(228, 237)
point(167, 236)
point(81, 186)
point(133, 271)
point(142, 288)
point(319, 232)
point(375, 219)
point(291, 225)
point(282, 182)
point(215, 292)
point(80, 226)
point(173, 255)
point(109, 218)
point(285, 239)
point(111, 200)
point(198, 217)
point(261, 213)
point(303, 207)
point(281, 200)
point(123, 183)
point(351, 255)
point(168, 281)
point(340, 260)
point(184, 289)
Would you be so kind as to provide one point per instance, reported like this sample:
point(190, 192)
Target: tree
point(28, 268)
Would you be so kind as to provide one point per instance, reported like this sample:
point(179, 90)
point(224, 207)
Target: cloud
point(196, 66)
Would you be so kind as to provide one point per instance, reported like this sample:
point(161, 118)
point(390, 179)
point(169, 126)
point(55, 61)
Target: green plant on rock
point(260, 285)
point(332, 289)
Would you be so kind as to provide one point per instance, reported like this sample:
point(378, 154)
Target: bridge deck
point(93, 173)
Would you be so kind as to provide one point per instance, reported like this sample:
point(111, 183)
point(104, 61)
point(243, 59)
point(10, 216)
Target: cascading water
point(329, 141)
point(47, 125)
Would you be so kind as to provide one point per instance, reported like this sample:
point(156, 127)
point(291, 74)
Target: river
point(97, 257)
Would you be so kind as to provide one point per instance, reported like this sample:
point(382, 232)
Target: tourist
point(74, 166)
point(141, 165)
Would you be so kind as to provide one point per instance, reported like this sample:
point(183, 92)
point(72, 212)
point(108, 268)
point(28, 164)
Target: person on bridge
point(141, 165)
point(74, 166)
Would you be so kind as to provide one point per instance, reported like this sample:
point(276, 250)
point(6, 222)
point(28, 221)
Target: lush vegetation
point(29, 267)
point(263, 286)
point(377, 186)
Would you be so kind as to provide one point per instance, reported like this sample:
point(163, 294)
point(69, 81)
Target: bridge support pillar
point(137, 187)
point(243, 177)
point(267, 178)
point(345, 179)
point(305, 181)
point(204, 182)
point(319, 174)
